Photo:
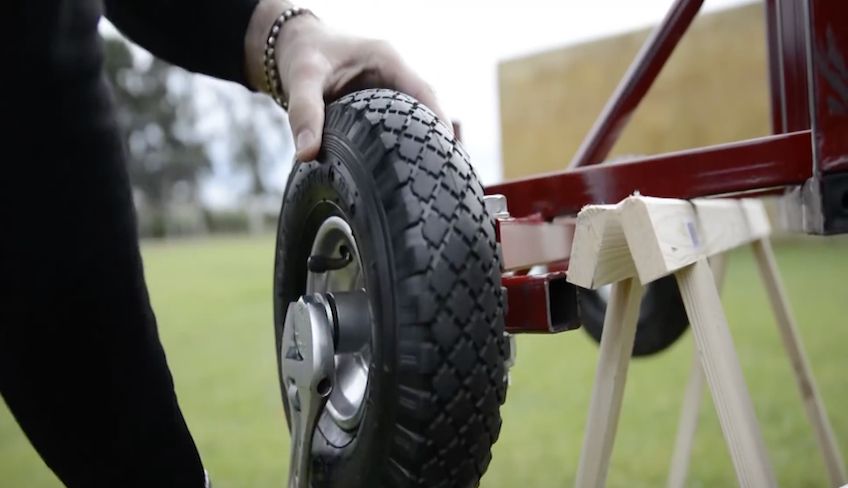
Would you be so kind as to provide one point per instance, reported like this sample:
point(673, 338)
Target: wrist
point(256, 38)
point(294, 29)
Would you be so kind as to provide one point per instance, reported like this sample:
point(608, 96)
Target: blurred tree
point(257, 140)
point(257, 136)
point(157, 116)
point(248, 149)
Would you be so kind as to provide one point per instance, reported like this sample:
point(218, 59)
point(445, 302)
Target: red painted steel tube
point(829, 70)
point(635, 84)
point(755, 164)
point(792, 65)
point(773, 45)
point(540, 303)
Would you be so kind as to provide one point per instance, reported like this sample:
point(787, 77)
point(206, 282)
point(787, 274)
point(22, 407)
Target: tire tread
point(451, 345)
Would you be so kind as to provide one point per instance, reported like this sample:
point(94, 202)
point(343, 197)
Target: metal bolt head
point(496, 206)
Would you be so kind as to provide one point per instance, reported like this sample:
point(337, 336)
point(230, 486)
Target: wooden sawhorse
point(642, 239)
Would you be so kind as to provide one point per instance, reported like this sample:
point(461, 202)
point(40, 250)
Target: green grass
point(212, 299)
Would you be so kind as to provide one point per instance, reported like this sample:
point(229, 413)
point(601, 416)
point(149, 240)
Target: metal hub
point(326, 346)
point(334, 243)
point(307, 368)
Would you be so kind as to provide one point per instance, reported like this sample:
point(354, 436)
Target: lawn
point(212, 298)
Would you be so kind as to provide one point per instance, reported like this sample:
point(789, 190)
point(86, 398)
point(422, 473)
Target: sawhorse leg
point(615, 352)
point(802, 372)
point(800, 366)
point(724, 375)
point(687, 425)
point(691, 407)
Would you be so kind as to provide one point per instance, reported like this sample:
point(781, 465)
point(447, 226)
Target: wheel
point(393, 210)
point(662, 316)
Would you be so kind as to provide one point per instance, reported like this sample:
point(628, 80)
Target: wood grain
point(599, 254)
point(724, 375)
point(610, 378)
point(691, 408)
point(654, 237)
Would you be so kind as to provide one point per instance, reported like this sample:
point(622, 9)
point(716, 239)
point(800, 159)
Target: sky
point(456, 45)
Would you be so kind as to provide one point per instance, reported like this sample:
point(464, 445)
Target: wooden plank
point(665, 234)
point(599, 255)
point(659, 235)
point(724, 375)
point(810, 396)
point(610, 378)
point(691, 407)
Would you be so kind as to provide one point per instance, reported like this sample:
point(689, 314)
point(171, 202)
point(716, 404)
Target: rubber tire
point(662, 316)
point(432, 270)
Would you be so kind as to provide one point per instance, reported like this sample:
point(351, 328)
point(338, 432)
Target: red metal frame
point(785, 28)
point(828, 46)
point(767, 162)
point(525, 294)
point(807, 157)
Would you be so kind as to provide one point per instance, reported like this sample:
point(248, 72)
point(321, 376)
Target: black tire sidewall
point(339, 186)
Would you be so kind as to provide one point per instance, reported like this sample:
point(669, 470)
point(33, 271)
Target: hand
point(318, 65)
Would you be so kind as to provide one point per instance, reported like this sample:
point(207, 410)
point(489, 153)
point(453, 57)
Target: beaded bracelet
point(273, 83)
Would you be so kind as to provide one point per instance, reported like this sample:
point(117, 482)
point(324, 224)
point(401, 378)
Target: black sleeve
point(204, 36)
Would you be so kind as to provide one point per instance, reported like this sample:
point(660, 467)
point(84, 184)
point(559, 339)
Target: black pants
point(81, 365)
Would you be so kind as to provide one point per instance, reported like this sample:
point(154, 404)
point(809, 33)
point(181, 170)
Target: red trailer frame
point(806, 158)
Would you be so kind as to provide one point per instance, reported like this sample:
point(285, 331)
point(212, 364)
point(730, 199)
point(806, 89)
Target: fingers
point(324, 69)
point(306, 107)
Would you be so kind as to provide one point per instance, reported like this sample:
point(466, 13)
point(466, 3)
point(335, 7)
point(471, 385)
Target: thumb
point(306, 115)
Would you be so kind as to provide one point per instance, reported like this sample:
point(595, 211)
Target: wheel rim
point(347, 401)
